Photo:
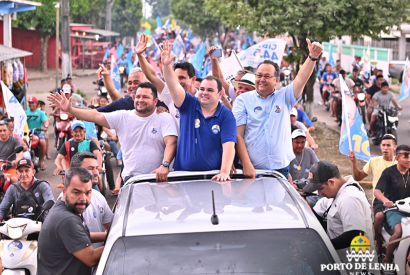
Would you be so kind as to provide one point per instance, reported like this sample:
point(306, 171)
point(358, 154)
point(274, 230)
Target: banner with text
point(271, 49)
point(15, 110)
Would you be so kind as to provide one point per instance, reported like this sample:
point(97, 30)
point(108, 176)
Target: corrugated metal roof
point(100, 32)
point(7, 53)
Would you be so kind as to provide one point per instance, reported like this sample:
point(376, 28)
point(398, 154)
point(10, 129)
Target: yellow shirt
point(376, 166)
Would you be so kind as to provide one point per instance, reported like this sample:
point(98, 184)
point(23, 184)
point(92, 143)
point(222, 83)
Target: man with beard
point(148, 139)
point(64, 245)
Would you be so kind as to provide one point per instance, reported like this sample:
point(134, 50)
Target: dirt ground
point(328, 141)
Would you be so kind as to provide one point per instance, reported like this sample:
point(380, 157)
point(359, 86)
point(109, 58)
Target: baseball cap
point(67, 89)
point(25, 162)
point(77, 123)
point(248, 79)
point(294, 112)
point(298, 133)
point(320, 173)
point(33, 99)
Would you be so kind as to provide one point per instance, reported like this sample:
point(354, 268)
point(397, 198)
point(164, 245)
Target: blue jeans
point(284, 171)
point(114, 147)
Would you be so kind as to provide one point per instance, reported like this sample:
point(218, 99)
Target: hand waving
point(142, 44)
point(102, 71)
point(60, 101)
point(166, 53)
point(315, 48)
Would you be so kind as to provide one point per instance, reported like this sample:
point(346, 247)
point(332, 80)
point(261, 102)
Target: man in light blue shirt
point(262, 117)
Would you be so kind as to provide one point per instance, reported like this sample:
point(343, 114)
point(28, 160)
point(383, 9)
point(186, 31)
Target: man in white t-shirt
point(148, 140)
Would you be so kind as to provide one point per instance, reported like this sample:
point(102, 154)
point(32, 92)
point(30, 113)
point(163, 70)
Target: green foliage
point(194, 12)
point(159, 8)
point(126, 17)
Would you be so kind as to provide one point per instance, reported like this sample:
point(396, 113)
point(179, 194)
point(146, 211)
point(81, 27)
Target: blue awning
point(12, 6)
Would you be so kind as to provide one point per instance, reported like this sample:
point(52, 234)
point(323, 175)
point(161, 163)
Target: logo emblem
point(72, 149)
point(154, 131)
point(37, 194)
point(215, 129)
point(277, 109)
point(177, 115)
point(14, 246)
point(30, 210)
point(258, 109)
point(197, 123)
point(360, 249)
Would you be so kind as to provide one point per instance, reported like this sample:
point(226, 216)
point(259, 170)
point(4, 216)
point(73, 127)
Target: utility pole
point(108, 5)
point(57, 6)
point(66, 68)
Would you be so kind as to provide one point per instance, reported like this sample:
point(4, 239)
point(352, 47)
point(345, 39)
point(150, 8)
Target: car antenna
point(214, 218)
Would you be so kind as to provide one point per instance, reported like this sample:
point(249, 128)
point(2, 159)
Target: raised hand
point(142, 44)
point(102, 71)
point(166, 53)
point(315, 48)
point(60, 101)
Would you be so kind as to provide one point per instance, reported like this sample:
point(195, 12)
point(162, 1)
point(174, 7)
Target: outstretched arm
point(146, 68)
point(228, 154)
point(81, 114)
point(175, 89)
point(108, 83)
point(315, 50)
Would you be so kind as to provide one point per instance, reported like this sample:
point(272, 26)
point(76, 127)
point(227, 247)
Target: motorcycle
point(123, 74)
point(5, 178)
point(102, 91)
point(387, 122)
point(63, 127)
point(402, 251)
point(360, 99)
point(286, 76)
point(34, 148)
point(19, 255)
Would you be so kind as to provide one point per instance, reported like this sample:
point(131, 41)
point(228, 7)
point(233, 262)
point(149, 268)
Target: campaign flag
point(268, 49)
point(107, 53)
point(189, 33)
point(405, 85)
point(207, 68)
point(14, 109)
point(353, 133)
point(159, 23)
point(216, 43)
point(331, 61)
point(154, 65)
point(229, 67)
point(178, 47)
point(115, 74)
point(198, 59)
point(156, 54)
point(129, 55)
point(120, 50)
point(366, 63)
point(90, 129)
point(113, 52)
point(250, 42)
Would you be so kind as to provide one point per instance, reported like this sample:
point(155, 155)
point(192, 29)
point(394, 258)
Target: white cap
point(248, 79)
point(67, 89)
point(294, 112)
point(298, 133)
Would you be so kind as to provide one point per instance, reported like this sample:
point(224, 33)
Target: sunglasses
point(406, 154)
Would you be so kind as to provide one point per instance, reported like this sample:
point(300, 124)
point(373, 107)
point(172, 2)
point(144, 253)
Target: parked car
point(396, 69)
point(192, 225)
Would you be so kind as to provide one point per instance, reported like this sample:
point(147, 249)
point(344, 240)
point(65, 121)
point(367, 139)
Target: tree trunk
point(43, 54)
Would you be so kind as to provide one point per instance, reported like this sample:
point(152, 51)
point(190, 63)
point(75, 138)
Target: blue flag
point(250, 42)
point(245, 45)
point(353, 133)
point(189, 33)
point(107, 54)
point(331, 61)
point(178, 47)
point(89, 126)
point(405, 85)
point(159, 23)
point(207, 68)
point(216, 43)
point(115, 74)
point(198, 59)
point(129, 55)
point(120, 50)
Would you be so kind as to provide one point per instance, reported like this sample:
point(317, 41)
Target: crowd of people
point(182, 123)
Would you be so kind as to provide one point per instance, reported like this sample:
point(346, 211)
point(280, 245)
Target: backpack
point(26, 205)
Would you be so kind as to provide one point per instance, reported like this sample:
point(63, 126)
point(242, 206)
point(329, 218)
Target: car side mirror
point(48, 204)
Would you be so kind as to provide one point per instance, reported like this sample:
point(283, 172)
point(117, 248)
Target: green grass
point(394, 81)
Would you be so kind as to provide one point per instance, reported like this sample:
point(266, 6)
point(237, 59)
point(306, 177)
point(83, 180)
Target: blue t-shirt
point(124, 103)
point(200, 146)
point(328, 78)
point(303, 117)
point(36, 119)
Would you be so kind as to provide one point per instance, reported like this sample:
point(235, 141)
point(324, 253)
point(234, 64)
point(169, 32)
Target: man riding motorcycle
point(32, 188)
point(7, 145)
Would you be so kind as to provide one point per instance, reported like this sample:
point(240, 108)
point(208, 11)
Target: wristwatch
point(165, 164)
point(311, 58)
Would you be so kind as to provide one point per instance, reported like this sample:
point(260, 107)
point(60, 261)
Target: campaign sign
point(271, 49)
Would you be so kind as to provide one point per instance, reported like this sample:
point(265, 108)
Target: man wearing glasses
point(262, 117)
point(392, 186)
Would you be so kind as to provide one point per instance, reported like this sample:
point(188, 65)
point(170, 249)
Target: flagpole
point(234, 53)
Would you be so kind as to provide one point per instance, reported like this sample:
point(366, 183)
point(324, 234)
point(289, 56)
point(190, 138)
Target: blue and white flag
point(14, 109)
point(353, 133)
point(107, 54)
point(331, 60)
point(272, 49)
point(367, 63)
point(120, 50)
point(198, 59)
point(207, 68)
point(405, 85)
point(178, 47)
point(90, 129)
point(159, 23)
point(115, 74)
point(156, 54)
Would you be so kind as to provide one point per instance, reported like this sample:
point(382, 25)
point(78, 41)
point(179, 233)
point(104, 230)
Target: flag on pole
point(272, 49)
point(405, 85)
point(198, 59)
point(115, 74)
point(178, 47)
point(207, 68)
point(120, 50)
point(159, 23)
point(229, 67)
point(14, 109)
point(89, 126)
point(366, 63)
point(353, 133)
point(331, 60)
point(107, 53)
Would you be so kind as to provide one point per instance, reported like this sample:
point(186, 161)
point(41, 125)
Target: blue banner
point(115, 74)
point(331, 61)
point(107, 54)
point(405, 86)
point(207, 68)
point(159, 23)
point(198, 59)
point(120, 50)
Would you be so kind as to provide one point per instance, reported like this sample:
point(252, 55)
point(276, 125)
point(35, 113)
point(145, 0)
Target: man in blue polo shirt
point(262, 117)
point(208, 128)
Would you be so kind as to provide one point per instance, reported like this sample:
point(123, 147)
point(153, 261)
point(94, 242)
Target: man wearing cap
point(38, 119)
point(262, 117)
point(345, 204)
point(305, 157)
point(301, 126)
point(41, 189)
point(78, 144)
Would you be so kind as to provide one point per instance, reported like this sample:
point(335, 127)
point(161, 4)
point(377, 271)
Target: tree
point(159, 8)
point(317, 20)
point(126, 16)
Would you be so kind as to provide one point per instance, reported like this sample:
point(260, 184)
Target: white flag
point(271, 49)
point(14, 109)
point(229, 67)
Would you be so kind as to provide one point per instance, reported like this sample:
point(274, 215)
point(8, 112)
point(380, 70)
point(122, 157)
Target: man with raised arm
point(209, 130)
point(262, 117)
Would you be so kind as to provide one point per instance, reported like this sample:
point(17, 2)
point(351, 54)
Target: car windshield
point(279, 251)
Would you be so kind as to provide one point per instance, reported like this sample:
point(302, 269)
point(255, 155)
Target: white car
point(192, 225)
